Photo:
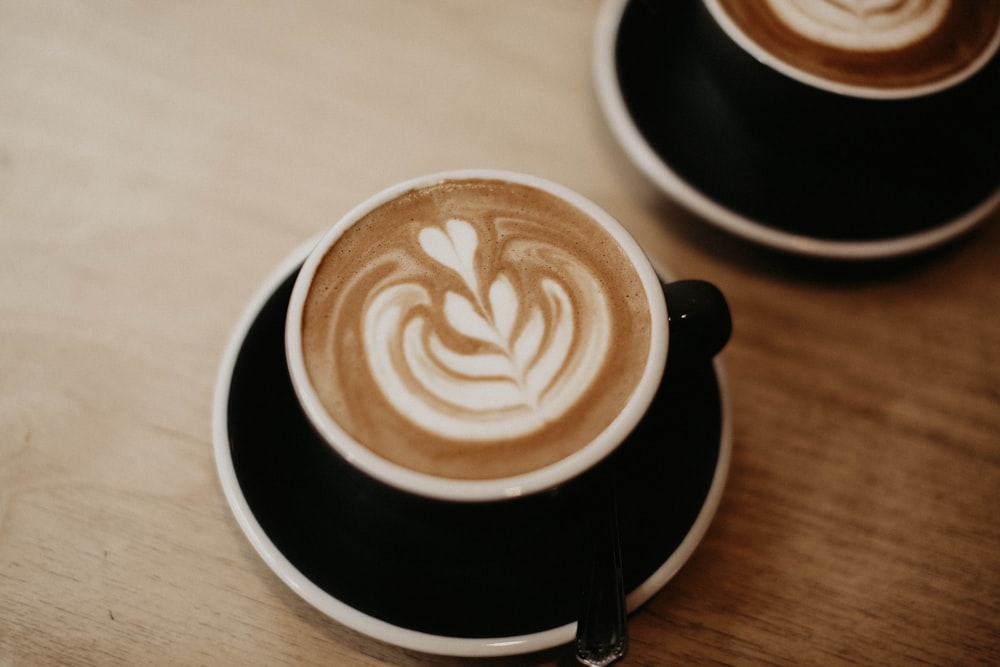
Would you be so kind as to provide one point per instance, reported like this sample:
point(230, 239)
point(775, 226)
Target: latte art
point(862, 25)
point(529, 362)
point(475, 329)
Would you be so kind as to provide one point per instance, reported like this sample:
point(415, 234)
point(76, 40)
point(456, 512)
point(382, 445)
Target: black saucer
point(791, 188)
point(455, 579)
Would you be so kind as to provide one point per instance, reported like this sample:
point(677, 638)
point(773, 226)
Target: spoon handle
point(601, 632)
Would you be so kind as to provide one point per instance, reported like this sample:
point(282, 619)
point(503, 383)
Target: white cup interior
point(452, 489)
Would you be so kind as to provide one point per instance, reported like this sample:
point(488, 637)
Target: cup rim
point(765, 57)
point(479, 490)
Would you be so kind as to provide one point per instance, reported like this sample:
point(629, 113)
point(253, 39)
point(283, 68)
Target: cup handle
point(699, 319)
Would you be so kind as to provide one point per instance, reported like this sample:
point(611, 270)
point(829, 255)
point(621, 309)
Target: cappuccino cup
point(856, 121)
point(872, 49)
point(481, 335)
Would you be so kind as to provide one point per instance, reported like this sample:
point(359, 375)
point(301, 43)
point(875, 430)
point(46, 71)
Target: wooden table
point(158, 160)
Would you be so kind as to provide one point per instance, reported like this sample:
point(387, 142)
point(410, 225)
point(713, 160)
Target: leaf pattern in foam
point(529, 342)
point(491, 320)
point(503, 306)
point(464, 318)
point(547, 364)
point(520, 376)
point(455, 247)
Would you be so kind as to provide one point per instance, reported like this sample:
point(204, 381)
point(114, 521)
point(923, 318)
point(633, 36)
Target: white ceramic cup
point(493, 489)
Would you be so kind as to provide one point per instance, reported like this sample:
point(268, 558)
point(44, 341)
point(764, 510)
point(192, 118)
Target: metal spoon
point(700, 326)
point(602, 631)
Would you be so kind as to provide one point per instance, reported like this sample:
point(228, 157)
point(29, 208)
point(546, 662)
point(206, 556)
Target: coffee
point(881, 45)
point(475, 329)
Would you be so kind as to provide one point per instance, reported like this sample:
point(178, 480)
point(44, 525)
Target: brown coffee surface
point(475, 329)
point(899, 44)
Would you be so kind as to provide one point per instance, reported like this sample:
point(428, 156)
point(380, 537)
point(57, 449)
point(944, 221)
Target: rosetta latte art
point(475, 329)
point(531, 361)
point(862, 25)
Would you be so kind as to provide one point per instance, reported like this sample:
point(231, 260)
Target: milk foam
point(862, 25)
point(475, 328)
point(523, 365)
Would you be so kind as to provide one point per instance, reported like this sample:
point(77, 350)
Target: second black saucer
point(801, 186)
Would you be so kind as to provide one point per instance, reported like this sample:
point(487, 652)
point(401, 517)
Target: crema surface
point(871, 43)
point(475, 329)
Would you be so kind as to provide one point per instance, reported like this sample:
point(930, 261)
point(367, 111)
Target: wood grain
point(157, 160)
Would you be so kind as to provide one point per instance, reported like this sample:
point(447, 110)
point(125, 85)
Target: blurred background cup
point(863, 78)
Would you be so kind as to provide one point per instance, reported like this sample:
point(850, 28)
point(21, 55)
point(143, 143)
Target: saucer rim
point(675, 186)
point(377, 628)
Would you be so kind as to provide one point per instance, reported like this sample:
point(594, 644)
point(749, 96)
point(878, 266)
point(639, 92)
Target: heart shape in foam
point(521, 365)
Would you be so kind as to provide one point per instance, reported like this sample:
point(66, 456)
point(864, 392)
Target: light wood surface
point(158, 160)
